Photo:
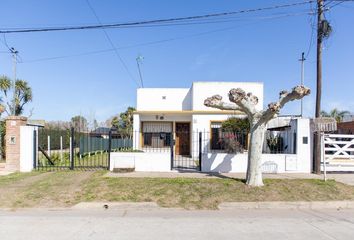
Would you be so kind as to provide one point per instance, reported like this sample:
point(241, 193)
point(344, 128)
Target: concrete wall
point(142, 161)
point(169, 99)
point(271, 163)
point(304, 144)
point(27, 153)
point(183, 99)
point(279, 163)
point(203, 90)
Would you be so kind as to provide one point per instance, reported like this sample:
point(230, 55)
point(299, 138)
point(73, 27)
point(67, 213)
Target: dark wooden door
point(182, 139)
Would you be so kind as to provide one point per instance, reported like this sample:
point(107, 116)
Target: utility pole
point(320, 19)
point(302, 60)
point(14, 57)
point(139, 59)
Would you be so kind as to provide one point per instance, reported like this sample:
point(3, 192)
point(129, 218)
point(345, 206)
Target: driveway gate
point(70, 149)
point(338, 152)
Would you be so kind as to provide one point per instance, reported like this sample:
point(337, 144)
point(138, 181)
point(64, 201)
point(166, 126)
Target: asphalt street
point(77, 224)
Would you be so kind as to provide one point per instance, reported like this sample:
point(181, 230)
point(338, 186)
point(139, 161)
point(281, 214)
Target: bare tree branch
point(246, 102)
point(297, 92)
point(216, 102)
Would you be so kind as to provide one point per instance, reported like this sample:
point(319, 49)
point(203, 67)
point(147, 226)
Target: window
point(157, 140)
point(216, 141)
point(157, 134)
point(228, 141)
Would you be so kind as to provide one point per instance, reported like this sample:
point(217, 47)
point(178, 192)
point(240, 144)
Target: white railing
point(339, 149)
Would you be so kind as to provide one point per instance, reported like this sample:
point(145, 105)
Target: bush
point(234, 124)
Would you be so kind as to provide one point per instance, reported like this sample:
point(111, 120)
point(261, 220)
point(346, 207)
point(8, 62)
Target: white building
point(175, 130)
point(180, 112)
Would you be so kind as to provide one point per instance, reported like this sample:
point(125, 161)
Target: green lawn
point(66, 188)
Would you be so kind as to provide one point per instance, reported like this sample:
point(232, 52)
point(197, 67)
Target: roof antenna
point(139, 61)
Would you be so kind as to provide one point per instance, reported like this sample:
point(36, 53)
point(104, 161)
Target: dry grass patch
point(44, 189)
point(208, 193)
point(61, 189)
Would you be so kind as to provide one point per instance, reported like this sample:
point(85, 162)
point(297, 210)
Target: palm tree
point(22, 94)
point(335, 113)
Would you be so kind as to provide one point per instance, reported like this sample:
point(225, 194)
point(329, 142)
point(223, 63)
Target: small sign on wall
point(12, 140)
point(13, 123)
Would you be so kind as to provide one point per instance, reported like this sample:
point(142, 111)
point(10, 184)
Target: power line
point(165, 40)
point(337, 3)
point(152, 22)
point(111, 43)
point(312, 20)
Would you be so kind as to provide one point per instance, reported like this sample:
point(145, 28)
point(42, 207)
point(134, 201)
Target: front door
point(183, 139)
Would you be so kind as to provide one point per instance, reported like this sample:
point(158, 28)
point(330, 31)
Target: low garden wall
point(271, 163)
point(142, 161)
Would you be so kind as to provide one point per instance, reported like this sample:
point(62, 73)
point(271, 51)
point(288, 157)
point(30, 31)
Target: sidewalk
point(346, 178)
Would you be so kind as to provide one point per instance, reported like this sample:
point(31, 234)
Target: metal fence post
point(200, 151)
point(72, 147)
point(35, 149)
point(171, 147)
point(109, 149)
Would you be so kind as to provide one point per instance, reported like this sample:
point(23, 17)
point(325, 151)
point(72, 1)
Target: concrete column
point(136, 131)
point(12, 138)
point(304, 145)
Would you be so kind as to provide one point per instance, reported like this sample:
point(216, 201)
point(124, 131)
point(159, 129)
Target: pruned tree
point(246, 102)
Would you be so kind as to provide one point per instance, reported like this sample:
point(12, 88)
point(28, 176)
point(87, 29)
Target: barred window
point(157, 134)
point(216, 143)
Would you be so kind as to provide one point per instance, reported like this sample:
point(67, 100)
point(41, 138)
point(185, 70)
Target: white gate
point(338, 152)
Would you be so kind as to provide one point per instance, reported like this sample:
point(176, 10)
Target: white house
point(181, 112)
point(173, 129)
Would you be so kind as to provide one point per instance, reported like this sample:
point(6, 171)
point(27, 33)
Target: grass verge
point(66, 188)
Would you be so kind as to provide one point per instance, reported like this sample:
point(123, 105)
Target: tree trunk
point(254, 167)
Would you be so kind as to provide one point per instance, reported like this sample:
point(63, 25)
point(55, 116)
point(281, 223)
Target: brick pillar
point(12, 137)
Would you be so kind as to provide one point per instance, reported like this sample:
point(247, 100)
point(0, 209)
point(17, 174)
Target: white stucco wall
point(304, 150)
point(166, 117)
point(271, 163)
point(142, 161)
point(176, 99)
point(203, 90)
point(300, 162)
point(27, 156)
point(184, 99)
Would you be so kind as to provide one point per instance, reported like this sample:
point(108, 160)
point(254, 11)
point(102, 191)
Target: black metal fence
point(69, 149)
point(280, 142)
point(275, 142)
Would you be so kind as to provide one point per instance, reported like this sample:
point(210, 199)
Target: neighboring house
point(100, 132)
point(163, 113)
point(345, 127)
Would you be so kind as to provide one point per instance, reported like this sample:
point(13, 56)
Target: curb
point(288, 205)
point(117, 205)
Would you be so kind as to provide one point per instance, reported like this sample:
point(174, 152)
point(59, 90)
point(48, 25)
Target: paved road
point(176, 224)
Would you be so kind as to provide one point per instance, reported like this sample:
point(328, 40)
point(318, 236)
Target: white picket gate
point(338, 152)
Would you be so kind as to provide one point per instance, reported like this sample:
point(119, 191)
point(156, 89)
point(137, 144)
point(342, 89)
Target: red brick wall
point(346, 127)
point(12, 137)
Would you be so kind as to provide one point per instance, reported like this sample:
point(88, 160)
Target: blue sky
point(252, 47)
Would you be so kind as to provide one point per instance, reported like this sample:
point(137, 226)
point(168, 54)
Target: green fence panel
point(94, 144)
